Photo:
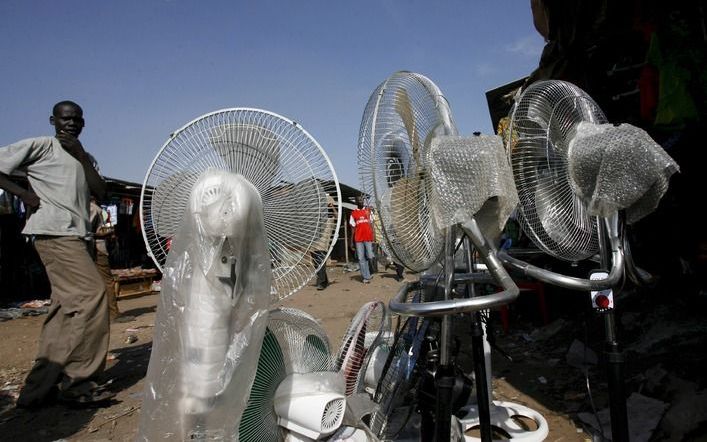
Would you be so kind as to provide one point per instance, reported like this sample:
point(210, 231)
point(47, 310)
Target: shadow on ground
point(58, 421)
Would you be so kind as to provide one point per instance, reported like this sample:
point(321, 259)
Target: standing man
point(74, 340)
point(321, 246)
point(362, 226)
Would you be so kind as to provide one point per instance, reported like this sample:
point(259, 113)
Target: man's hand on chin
point(71, 145)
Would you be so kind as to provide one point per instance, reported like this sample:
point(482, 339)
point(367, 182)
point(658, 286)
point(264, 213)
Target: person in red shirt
point(362, 226)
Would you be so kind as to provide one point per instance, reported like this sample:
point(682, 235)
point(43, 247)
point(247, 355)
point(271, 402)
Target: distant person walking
point(362, 225)
point(398, 271)
point(74, 340)
point(322, 245)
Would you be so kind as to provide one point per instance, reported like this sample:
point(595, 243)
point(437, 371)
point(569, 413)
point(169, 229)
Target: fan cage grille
point(543, 122)
point(400, 118)
point(368, 329)
point(293, 174)
point(396, 390)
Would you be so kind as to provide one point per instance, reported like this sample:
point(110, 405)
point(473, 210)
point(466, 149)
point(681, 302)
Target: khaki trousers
point(74, 340)
point(104, 269)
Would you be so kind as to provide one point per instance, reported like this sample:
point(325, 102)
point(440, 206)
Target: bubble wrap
point(618, 167)
point(471, 178)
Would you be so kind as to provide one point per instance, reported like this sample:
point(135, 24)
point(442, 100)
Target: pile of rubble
point(664, 342)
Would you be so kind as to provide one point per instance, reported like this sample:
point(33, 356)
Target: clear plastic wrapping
point(211, 317)
point(471, 178)
point(618, 167)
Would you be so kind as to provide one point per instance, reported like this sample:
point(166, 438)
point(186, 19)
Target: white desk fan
point(231, 208)
point(577, 179)
point(362, 355)
point(295, 350)
point(407, 134)
point(364, 347)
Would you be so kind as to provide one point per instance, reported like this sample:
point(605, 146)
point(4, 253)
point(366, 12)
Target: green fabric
point(675, 104)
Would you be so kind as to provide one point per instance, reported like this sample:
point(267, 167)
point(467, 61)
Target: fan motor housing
point(311, 404)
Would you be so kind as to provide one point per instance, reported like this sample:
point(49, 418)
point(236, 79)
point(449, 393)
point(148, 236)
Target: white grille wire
point(543, 122)
point(399, 121)
point(286, 165)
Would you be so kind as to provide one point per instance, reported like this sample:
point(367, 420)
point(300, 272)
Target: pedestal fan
point(230, 208)
point(291, 172)
point(578, 178)
point(404, 118)
point(473, 188)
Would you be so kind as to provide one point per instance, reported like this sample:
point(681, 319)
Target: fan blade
point(406, 204)
point(171, 193)
point(404, 109)
point(248, 149)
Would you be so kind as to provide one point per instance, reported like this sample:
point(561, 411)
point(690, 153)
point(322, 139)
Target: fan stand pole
point(614, 360)
point(615, 374)
point(444, 378)
point(482, 375)
point(500, 414)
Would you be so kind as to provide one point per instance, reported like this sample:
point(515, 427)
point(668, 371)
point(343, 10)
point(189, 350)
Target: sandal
point(94, 398)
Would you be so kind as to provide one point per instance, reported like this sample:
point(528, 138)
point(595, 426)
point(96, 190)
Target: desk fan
point(577, 179)
point(239, 197)
point(364, 347)
point(364, 350)
point(407, 143)
point(295, 350)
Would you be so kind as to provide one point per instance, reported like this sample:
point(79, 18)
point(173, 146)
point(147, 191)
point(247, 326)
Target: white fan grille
point(286, 165)
point(333, 413)
point(542, 124)
point(400, 119)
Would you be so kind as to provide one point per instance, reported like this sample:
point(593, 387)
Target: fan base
point(505, 417)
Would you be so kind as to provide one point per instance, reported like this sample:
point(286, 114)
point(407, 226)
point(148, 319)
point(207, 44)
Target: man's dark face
point(67, 118)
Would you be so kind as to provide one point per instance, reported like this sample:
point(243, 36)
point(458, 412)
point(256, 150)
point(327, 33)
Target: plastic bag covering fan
point(401, 118)
point(618, 167)
point(293, 343)
point(543, 122)
point(211, 316)
point(471, 178)
point(285, 164)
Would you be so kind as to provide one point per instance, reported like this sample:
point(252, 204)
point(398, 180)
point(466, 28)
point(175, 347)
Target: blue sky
point(142, 69)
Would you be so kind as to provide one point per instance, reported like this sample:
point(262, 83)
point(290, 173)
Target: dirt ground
point(531, 380)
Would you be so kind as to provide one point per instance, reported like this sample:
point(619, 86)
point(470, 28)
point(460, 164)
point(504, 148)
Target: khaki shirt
point(58, 180)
